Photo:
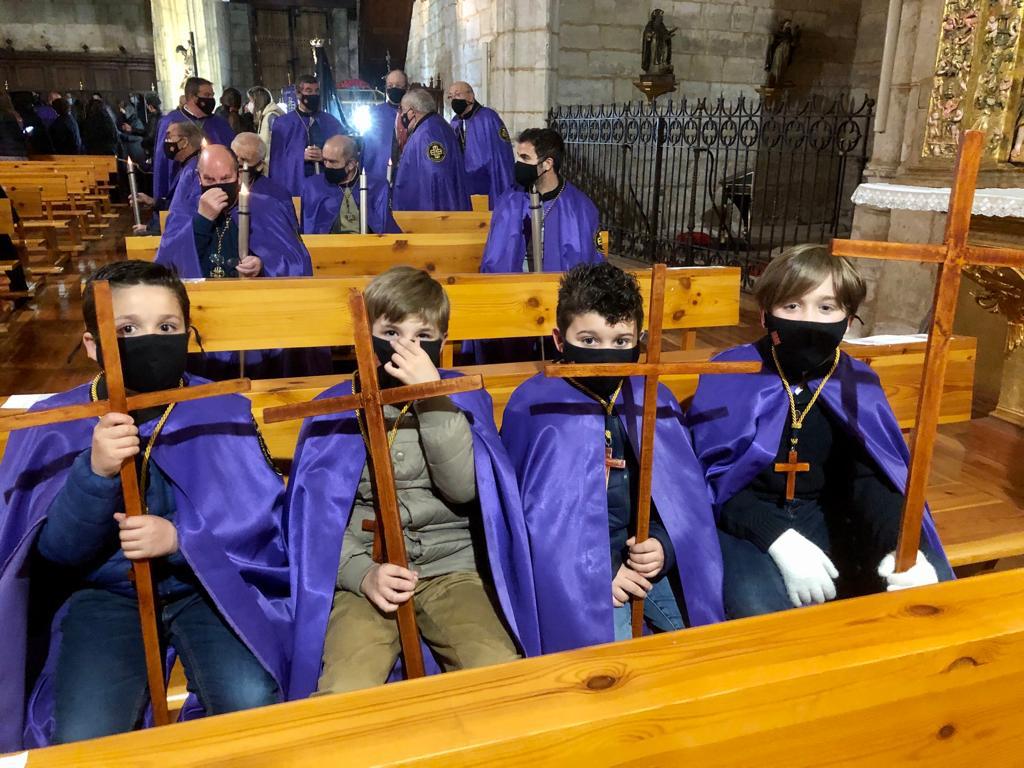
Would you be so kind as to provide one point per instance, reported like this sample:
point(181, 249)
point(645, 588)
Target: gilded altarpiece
point(978, 80)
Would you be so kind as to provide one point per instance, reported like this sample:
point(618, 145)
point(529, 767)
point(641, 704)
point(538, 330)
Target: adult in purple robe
point(555, 437)
point(299, 136)
point(380, 141)
point(736, 422)
point(328, 463)
point(485, 144)
point(251, 151)
point(274, 240)
point(198, 110)
point(323, 196)
point(431, 174)
point(229, 530)
point(47, 114)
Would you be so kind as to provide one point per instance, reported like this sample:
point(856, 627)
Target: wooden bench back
point(480, 203)
point(7, 218)
point(27, 198)
point(442, 222)
point(352, 255)
point(880, 681)
point(297, 204)
point(81, 179)
point(304, 312)
point(52, 187)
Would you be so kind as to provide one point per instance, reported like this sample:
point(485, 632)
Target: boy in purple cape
point(72, 660)
point(485, 143)
point(574, 445)
point(201, 241)
point(380, 142)
point(570, 218)
point(330, 201)
point(197, 110)
point(431, 174)
point(299, 136)
point(468, 557)
point(832, 532)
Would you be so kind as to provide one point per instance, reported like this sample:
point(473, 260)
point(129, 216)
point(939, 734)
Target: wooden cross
point(118, 401)
point(651, 370)
point(951, 256)
point(791, 467)
point(389, 546)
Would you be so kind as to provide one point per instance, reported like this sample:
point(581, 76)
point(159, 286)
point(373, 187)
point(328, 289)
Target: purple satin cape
point(321, 201)
point(422, 183)
point(215, 129)
point(229, 525)
point(378, 138)
point(570, 232)
point(288, 137)
point(266, 187)
point(555, 437)
point(275, 240)
point(736, 422)
point(490, 162)
point(329, 460)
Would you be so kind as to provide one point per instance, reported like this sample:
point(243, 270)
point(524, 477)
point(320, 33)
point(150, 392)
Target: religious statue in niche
point(779, 55)
point(657, 49)
point(656, 78)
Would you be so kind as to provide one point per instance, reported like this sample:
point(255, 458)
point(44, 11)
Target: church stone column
point(172, 21)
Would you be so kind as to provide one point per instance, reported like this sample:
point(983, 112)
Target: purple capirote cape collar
point(736, 421)
point(570, 232)
point(555, 437)
point(431, 174)
point(229, 518)
point(328, 462)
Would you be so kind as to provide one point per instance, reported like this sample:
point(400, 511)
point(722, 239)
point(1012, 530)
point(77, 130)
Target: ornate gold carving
point(1002, 292)
point(978, 63)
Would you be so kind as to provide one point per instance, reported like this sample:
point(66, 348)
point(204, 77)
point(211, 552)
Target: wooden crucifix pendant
point(791, 468)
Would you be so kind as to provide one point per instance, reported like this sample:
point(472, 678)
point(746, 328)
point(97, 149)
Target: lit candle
point(133, 189)
point(389, 171)
point(243, 218)
point(363, 226)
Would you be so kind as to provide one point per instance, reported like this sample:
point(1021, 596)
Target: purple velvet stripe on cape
point(424, 184)
point(329, 460)
point(570, 232)
point(378, 138)
point(555, 437)
point(321, 201)
point(737, 420)
point(275, 240)
point(288, 137)
point(490, 162)
point(215, 129)
point(229, 528)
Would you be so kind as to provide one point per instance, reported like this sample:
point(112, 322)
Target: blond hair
point(803, 268)
point(404, 291)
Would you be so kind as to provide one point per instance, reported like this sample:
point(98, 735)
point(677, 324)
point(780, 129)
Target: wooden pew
point(931, 676)
point(480, 203)
point(344, 255)
point(442, 222)
point(59, 200)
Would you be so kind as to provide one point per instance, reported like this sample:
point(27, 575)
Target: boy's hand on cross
point(411, 364)
point(115, 438)
point(628, 582)
point(646, 558)
point(146, 536)
point(387, 586)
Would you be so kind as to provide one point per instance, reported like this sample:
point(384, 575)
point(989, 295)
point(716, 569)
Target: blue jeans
point(101, 684)
point(753, 584)
point(660, 611)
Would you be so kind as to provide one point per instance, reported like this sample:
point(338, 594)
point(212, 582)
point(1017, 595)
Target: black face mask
point(526, 175)
point(395, 95)
point(152, 362)
point(602, 386)
point(171, 149)
point(804, 347)
point(206, 105)
point(336, 175)
point(459, 106)
point(384, 352)
point(311, 102)
point(230, 189)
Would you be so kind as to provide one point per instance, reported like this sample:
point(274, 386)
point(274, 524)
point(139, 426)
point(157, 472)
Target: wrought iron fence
point(726, 182)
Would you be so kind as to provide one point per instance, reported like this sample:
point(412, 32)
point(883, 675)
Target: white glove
point(921, 574)
point(806, 570)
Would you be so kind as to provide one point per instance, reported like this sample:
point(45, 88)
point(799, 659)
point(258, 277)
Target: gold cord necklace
point(610, 462)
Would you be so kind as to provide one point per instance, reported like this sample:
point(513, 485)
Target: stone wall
point(240, 75)
point(172, 20)
point(719, 48)
point(65, 25)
